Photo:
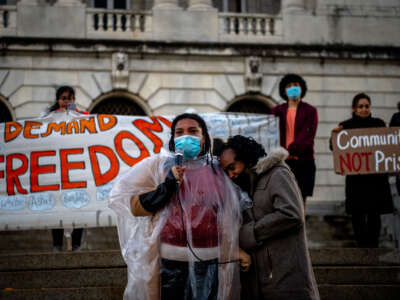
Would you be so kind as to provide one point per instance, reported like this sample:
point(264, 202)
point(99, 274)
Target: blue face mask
point(189, 145)
point(293, 92)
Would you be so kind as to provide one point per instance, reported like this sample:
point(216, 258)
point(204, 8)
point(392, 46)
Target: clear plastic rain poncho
point(209, 228)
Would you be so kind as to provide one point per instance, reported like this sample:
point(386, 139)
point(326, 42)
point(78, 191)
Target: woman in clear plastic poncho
point(178, 225)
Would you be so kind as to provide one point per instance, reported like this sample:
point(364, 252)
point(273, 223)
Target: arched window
point(251, 104)
point(5, 114)
point(118, 105)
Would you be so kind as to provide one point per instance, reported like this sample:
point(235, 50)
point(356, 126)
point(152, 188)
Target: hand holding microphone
point(71, 106)
point(178, 170)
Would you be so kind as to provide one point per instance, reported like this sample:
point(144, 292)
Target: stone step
point(117, 277)
point(359, 292)
point(327, 292)
point(100, 238)
point(99, 293)
point(74, 278)
point(357, 275)
point(355, 256)
point(321, 232)
point(61, 260)
point(113, 258)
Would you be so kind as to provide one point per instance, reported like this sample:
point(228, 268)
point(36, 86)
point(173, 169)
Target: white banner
point(58, 171)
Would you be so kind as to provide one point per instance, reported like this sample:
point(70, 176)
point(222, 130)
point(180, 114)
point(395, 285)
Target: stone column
point(167, 4)
point(292, 5)
point(200, 4)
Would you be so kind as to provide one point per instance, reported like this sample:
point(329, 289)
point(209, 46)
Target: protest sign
point(367, 150)
point(58, 171)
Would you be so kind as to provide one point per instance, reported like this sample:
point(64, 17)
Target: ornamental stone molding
point(253, 76)
point(120, 71)
point(165, 4)
point(200, 4)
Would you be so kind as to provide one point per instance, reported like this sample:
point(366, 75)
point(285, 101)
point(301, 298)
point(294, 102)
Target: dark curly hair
point(61, 90)
point(246, 149)
point(203, 126)
point(357, 98)
point(292, 78)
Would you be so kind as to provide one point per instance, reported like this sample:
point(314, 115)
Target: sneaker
point(57, 249)
point(76, 248)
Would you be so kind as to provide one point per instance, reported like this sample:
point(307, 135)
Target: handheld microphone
point(71, 106)
point(179, 157)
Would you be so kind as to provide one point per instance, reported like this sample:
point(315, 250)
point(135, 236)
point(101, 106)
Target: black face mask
point(243, 181)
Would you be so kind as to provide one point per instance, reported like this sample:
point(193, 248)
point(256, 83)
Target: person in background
point(298, 122)
point(273, 230)
point(367, 195)
point(65, 99)
point(395, 122)
point(178, 223)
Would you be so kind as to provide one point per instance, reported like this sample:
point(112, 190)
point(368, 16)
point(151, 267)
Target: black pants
point(58, 237)
point(367, 228)
point(176, 284)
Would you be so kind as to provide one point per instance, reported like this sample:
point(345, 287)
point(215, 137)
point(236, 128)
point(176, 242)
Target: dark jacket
point(367, 193)
point(395, 121)
point(274, 235)
point(305, 128)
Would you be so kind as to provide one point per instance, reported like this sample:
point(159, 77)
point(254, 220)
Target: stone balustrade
point(249, 27)
point(8, 20)
point(120, 24)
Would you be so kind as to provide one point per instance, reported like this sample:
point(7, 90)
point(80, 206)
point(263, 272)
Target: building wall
point(338, 53)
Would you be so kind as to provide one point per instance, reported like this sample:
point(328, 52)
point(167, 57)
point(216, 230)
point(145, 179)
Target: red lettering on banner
point(37, 169)
point(66, 166)
point(99, 178)
point(366, 155)
point(103, 125)
point(72, 125)
point(129, 160)
point(346, 163)
point(165, 121)
point(55, 127)
point(11, 131)
point(13, 174)
point(88, 125)
point(358, 156)
point(354, 161)
point(147, 128)
point(1, 171)
point(29, 125)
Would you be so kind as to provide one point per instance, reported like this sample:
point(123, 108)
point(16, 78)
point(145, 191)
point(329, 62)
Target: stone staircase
point(342, 273)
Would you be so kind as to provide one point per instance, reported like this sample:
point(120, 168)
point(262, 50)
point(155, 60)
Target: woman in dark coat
point(273, 230)
point(367, 195)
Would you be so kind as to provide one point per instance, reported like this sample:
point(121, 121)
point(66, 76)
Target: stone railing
point(8, 20)
point(119, 24)
point(249, 27)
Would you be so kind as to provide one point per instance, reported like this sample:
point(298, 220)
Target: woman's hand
point(245, 260)
point(178, 172)
point(337, 129)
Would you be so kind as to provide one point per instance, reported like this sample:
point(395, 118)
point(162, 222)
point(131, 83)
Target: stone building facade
point(165, 56)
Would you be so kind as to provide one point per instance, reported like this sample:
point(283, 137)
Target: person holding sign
point(367, 195)
point(395, 122)
point(273, 230)
point(298, 122)
point(179, 217)
point(65, 100)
